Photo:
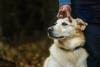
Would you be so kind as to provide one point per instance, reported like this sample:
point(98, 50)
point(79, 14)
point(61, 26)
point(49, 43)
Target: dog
point(67, 49)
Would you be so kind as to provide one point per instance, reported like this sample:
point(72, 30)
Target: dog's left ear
point(81, 23)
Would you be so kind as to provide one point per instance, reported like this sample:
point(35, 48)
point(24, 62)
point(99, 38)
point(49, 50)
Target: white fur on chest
point(67, 59)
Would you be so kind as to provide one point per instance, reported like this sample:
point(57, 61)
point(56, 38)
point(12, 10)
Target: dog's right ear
point(81, 23)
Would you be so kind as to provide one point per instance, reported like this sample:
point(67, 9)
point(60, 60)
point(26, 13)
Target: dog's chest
point(66, 57)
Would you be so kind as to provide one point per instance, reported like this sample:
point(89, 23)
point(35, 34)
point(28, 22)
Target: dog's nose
point(50, 29)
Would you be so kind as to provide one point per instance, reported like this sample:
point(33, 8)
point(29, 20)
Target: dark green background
point(22, 19)
point(23, 31)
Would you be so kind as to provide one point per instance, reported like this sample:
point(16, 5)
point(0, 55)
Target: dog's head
point(63, 28)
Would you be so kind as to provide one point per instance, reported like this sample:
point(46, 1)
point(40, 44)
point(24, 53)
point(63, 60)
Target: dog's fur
point(67, 36)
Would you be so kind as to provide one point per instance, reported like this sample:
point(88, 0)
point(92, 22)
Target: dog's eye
point(64, 24)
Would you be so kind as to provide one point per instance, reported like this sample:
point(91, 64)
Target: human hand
point(64, 11)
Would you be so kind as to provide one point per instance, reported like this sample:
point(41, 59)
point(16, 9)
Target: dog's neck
point(70, 43)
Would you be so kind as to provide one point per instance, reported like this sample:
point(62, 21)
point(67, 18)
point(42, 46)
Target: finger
point(60, 14)
point(57, 15)
point(70, 19)
point(68, 13)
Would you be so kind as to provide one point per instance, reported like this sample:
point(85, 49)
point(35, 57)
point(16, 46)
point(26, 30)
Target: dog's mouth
point(56, 36)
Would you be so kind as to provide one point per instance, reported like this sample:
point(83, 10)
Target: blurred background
point(23, 31)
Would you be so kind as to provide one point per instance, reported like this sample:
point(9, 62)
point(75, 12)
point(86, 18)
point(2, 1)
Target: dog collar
point(78, 47)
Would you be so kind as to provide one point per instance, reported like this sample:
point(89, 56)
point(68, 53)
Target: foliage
point(30, 54)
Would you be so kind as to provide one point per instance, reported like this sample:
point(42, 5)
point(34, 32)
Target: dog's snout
point(50, 29)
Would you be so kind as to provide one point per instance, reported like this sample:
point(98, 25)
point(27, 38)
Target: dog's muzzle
point(50, 29)
point(54, 34)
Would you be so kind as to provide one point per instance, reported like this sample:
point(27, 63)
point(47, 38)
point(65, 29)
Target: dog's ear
point(81, 23)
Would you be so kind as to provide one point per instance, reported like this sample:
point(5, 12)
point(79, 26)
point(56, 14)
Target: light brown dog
point(67, 49)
